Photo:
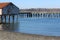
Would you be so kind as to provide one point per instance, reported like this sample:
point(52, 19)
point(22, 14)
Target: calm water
point(39, 26)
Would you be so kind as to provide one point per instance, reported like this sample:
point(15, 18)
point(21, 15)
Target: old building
point(8, 9)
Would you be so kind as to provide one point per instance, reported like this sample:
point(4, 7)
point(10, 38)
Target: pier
point(4, 19)
point(41, 12)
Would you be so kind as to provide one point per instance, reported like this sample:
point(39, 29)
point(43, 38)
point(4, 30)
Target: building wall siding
point(10, 9)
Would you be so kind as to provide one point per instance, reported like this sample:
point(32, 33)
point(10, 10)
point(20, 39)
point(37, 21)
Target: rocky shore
point(5, 35)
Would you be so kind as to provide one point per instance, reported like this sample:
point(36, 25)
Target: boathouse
point(8, 10)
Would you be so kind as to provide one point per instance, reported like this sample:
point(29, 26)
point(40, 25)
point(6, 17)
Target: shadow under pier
point(8, 23)
point(8, 18)
point(9, 26)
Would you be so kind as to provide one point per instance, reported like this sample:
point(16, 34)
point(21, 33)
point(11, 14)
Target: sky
point(23, 4)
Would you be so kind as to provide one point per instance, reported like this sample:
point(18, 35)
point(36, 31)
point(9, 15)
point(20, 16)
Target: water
point(42, 26)
point(39, 26)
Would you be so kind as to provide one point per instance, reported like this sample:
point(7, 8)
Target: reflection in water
point(40, 26)
point(9, 26)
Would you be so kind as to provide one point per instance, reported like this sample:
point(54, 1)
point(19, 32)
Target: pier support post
point(13, 18)
point(1, 19)
point(9, 18)
point(5, 19)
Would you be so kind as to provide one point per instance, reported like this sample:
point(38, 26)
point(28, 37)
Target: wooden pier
point(4, 19)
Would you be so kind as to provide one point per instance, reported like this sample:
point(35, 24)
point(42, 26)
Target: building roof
point(4, 4)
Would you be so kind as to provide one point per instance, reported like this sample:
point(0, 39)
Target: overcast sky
point(35, 3)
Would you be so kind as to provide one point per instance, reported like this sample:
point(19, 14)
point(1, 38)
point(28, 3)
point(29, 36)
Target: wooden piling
point(5, 19)
point(1, 19)
point(13, 18)
point(9, 18)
